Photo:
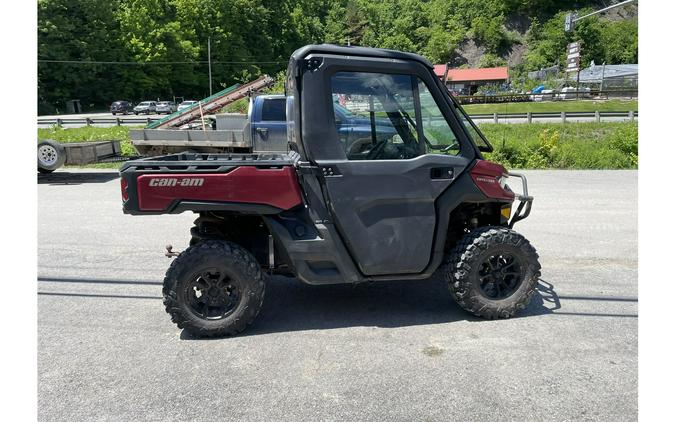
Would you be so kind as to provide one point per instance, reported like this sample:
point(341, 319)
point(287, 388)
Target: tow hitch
point(170, 253)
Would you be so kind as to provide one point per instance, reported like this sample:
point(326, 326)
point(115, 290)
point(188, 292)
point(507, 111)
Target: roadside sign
point(569, 24)
point(573, 60)
point(572, 68)
point(576, 44)
point(573, 57)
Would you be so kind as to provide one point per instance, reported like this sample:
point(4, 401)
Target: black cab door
point(388, 148)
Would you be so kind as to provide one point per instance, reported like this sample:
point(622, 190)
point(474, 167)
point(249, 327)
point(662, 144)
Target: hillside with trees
point(100, 51)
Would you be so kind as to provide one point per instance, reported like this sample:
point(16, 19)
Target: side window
point(439, 136)
point(388, 117)
point(274, 110)
point(375, 115)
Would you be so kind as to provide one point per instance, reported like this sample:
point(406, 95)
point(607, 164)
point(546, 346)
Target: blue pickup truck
point(268, 124)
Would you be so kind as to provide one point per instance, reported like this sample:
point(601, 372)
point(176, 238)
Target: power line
point(158, 63)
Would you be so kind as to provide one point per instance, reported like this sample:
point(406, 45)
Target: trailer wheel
point(493, 272)
point(213, 289)
point(50, 156)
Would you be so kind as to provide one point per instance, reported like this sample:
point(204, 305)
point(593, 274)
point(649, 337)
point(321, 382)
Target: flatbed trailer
point(52, 154)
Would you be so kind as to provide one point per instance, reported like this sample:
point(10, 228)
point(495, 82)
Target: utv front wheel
point(493, 272)
point(214, 288)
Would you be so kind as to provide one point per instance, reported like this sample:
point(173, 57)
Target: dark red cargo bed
point(263, 184)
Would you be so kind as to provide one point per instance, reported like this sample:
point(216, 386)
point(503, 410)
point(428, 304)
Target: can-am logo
point(166, 181)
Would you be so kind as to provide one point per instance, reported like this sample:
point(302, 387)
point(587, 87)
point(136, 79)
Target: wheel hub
point(213, 294)
point(47, 154)
point(500, 275)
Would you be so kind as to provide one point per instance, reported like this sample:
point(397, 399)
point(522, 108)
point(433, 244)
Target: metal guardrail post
point(529, 117)
point(148, 120)
point(563, 116)
point(88, 120)
point(495, 117)
point(631, 115)
point(118, 122)
point(597, 116)
point(59, 122)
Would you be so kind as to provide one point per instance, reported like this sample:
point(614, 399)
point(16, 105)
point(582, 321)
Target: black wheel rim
point(500, 275)
point(212, 294)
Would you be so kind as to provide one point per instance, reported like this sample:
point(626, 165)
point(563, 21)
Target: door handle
point(442, 173)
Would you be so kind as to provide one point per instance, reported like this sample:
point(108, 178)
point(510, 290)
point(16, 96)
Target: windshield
point(188, 102)
point(144, 103)
point(474, 133)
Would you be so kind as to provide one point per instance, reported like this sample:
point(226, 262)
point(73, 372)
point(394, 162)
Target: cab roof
point(305, 51)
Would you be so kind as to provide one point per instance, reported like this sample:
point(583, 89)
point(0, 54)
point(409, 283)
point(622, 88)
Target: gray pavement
point(389, 351)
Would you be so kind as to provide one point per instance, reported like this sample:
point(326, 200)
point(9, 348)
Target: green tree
point(77, 30)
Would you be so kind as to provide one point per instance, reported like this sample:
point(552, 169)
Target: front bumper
point(524, 199)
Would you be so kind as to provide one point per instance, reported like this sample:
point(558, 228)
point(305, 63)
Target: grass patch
point(606, 145)
point(553, 106)
point(91, 134)
point(609, 145)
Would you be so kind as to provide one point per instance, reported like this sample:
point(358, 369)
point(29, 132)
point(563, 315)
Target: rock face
point(468, 53)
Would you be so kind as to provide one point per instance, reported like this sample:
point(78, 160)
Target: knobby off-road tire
point(498, 252)
point(213, 270)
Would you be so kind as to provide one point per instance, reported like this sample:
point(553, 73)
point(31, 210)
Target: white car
point(186, 104)
point(146, 107)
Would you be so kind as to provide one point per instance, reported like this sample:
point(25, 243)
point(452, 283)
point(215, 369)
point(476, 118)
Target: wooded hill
point(91, 49)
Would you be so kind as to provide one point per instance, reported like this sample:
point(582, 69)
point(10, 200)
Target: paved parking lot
point(388, 351)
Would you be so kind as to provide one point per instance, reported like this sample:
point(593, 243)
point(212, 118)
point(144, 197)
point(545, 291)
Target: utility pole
point(209, 53)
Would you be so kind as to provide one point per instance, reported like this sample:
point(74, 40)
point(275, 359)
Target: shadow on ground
point(293, 306)
point(66, 178)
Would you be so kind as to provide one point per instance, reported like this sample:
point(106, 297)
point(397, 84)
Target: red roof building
point(470, 79)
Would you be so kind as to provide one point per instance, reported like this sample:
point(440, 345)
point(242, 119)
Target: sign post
point(574, 61)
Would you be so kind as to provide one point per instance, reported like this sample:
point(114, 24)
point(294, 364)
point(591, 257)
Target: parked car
point(122, 107)
point(146, 107)
point(167, 107)
point(186, 104)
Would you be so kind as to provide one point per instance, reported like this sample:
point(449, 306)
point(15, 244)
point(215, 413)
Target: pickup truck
point(397, 189)
point(262, 129)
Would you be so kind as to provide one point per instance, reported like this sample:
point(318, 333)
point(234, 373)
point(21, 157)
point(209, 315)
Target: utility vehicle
point(398, 204)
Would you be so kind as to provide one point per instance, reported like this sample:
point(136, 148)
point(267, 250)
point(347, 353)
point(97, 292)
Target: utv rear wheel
point(214, 288)
point(493, 272)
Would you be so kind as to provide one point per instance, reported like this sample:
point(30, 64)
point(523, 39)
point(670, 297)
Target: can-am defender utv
point(384, 180)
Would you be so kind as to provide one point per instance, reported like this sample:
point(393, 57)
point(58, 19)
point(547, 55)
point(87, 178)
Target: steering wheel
point(375, 151)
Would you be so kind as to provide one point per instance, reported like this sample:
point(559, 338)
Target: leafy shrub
point(625, 140)
point(564, 146)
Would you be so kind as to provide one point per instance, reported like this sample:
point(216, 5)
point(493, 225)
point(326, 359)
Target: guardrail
point(97, 121)
point(562, 115)
point(593, 94)
point(495, 117)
